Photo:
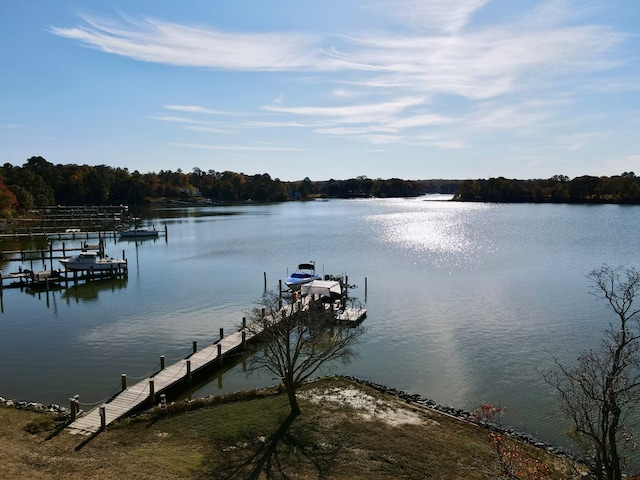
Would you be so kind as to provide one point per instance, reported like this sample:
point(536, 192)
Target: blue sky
point(333, 89)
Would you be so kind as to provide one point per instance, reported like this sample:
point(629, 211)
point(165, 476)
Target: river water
point(467, 302)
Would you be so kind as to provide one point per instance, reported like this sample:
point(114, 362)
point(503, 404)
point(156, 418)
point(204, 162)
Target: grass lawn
point(346, 431)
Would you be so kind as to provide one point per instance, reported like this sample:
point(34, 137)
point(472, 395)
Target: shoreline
point(467, 417)
point(416, 399)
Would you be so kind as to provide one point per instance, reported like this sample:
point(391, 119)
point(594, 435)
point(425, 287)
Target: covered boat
point(324, 288)
point(305, 273)
point(91, 261)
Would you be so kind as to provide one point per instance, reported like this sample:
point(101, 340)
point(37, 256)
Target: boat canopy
point(325, 288)
point(306, 266)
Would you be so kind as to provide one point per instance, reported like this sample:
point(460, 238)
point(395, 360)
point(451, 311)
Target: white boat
point(91, 261)
point(139, 233)
point(305, 273)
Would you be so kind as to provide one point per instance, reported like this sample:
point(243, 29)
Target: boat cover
point(321, 287)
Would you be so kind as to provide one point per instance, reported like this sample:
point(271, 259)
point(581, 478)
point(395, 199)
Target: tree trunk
point(293, 400)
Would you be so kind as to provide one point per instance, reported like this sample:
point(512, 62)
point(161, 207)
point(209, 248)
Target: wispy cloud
point(448, 16)
point(169, 43)
point(502, 77)
point(243, 148)
point(193, 109)
point(169, 118)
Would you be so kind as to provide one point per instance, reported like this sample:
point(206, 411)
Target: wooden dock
point(45, 279)
point(351, 316)
point(145, 392)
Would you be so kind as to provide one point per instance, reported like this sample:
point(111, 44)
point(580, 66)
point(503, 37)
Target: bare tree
point(297, 340)
point(600, 392)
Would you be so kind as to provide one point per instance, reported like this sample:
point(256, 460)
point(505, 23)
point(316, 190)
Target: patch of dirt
point(366, 406)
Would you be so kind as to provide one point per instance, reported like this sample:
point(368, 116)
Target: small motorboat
point(91, 261)
point(305, 273)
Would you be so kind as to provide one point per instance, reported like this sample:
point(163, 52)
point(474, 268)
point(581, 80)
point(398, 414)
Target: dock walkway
point(145, 391)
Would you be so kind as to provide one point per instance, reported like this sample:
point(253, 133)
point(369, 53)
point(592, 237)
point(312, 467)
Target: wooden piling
point(161, 362)
point(103, 418)
point(189, 371)
point(221, 333)
point(73, 407)
point(123, 380)
point(152, 392)
point(195, 346)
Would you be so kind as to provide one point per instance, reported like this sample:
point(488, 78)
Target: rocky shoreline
point(469, 417)
point(34, 406)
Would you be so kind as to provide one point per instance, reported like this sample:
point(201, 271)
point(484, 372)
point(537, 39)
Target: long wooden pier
point(147, 390)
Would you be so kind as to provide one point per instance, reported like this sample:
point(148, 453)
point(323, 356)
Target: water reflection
point(442, 236)
point(90, 291)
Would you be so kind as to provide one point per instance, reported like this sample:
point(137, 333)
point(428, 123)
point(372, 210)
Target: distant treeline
point(39, 183)
point(623, 188)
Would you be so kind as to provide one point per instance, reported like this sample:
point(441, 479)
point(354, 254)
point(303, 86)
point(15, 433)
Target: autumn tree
point(297, 341)
point(600, 393)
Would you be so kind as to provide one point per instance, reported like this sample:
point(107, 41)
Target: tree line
point(624, 188)
point(39, 183)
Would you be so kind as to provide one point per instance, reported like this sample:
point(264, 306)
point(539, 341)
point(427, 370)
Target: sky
point(412, 89)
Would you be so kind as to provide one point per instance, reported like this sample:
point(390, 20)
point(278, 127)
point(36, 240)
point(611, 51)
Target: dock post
point(152, 392)
point(189, 371)
point(195, 346)
point(244, 322)
point(51, 256)
point(244, 337)
point(124, 381)
point(279, 293)
point(365, 289)
point(219, 353)
point(103, 418)
point(221, 333)
point(1, 282)
point(265, 281)
point(73, 407)
point(161, 362)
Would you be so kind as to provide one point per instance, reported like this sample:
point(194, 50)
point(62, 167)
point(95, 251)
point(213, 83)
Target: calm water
point(466, 302)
